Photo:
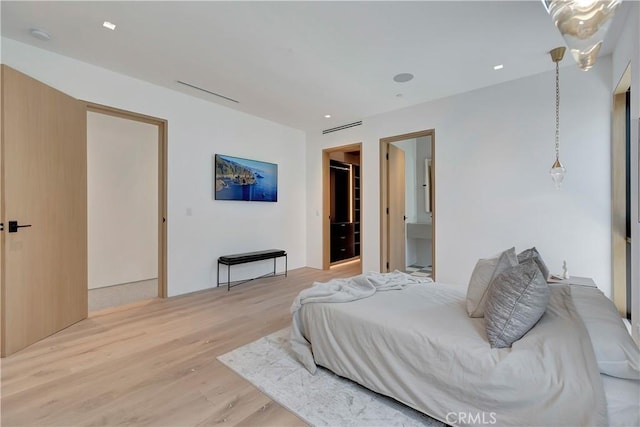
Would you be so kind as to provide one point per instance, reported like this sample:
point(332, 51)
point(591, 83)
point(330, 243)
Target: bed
point(416, 343)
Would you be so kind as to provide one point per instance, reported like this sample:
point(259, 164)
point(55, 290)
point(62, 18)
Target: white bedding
point(623, 401)
point(339, 291)
point(418, 346)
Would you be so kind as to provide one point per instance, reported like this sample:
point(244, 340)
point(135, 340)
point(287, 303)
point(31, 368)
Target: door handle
point(13, 226)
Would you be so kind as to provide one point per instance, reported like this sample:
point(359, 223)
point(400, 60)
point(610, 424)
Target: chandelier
point(583, 24)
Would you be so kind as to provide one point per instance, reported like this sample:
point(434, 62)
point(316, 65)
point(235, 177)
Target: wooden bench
point(246, 257)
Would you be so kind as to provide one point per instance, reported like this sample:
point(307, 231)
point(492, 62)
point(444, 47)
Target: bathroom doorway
point(407, 203)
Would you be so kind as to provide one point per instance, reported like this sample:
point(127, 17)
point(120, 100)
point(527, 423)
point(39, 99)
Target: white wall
point(423, 246)
point(197, 130)
point(628, 52)
point(122, 200)
point(493, 151)
point(423, 151)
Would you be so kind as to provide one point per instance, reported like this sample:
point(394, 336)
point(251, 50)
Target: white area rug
point(323, 399)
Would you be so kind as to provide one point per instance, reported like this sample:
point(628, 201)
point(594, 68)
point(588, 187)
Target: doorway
point(407, 203)
point(126, 165)
point(621, 196)
point(43, 176)
point(342, 205)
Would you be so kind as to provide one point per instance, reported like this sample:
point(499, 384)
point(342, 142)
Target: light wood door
point(44, 184)
point(396, 186)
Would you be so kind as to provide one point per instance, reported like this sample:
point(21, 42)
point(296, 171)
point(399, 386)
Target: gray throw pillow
point(483, 273)
point(535, 255)
point(517, 299)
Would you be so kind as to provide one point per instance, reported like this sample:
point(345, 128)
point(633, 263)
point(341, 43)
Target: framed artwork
point(244, 179)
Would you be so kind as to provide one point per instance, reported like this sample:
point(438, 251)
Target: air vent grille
point(337, 128)
point(207, 91)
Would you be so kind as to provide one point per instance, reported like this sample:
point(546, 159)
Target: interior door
point(397, 230)
point(44, 190)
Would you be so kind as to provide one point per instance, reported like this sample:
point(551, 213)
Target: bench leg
point(275, 269)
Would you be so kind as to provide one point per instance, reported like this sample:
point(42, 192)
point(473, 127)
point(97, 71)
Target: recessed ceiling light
point(327, 116)
point(109, 25)
point(40, 34)
point(498, 67)
point(402, 77)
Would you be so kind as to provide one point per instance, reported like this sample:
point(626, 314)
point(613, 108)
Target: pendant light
point(583, 24)
point(557, 170)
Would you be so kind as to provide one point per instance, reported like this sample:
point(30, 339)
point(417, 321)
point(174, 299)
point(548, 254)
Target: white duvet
point(339, 291)
point(418, 346)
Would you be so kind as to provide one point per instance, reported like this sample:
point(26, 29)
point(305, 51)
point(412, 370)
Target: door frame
point(618, 194)
point(384, 195)
point(162, 125)
point(326, 200)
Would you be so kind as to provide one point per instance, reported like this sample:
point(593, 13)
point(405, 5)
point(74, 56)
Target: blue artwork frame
point(242, 179)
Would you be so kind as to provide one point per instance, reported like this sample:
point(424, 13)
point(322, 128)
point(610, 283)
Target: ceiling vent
point(207, 91)
point(337, 128)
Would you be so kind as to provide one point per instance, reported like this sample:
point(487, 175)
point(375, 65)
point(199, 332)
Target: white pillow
point(616, 352)
point(485, 271)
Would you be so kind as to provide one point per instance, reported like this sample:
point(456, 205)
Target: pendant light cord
point(557, 110)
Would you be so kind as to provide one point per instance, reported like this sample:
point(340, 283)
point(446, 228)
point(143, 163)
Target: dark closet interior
point(345, 206)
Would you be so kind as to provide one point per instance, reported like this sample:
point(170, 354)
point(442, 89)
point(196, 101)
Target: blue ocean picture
point(244, 179)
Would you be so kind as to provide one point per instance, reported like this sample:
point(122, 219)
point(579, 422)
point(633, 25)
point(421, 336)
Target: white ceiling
point(293, 62)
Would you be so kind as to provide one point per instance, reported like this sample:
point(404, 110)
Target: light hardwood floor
point(155, 363)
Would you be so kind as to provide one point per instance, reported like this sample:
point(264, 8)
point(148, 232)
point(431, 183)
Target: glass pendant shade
point(557, 173)
point(583, 24)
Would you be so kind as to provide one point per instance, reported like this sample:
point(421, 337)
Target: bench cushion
point(251, 256)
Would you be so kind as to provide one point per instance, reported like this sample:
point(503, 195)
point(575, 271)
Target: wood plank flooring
point(155, 363)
